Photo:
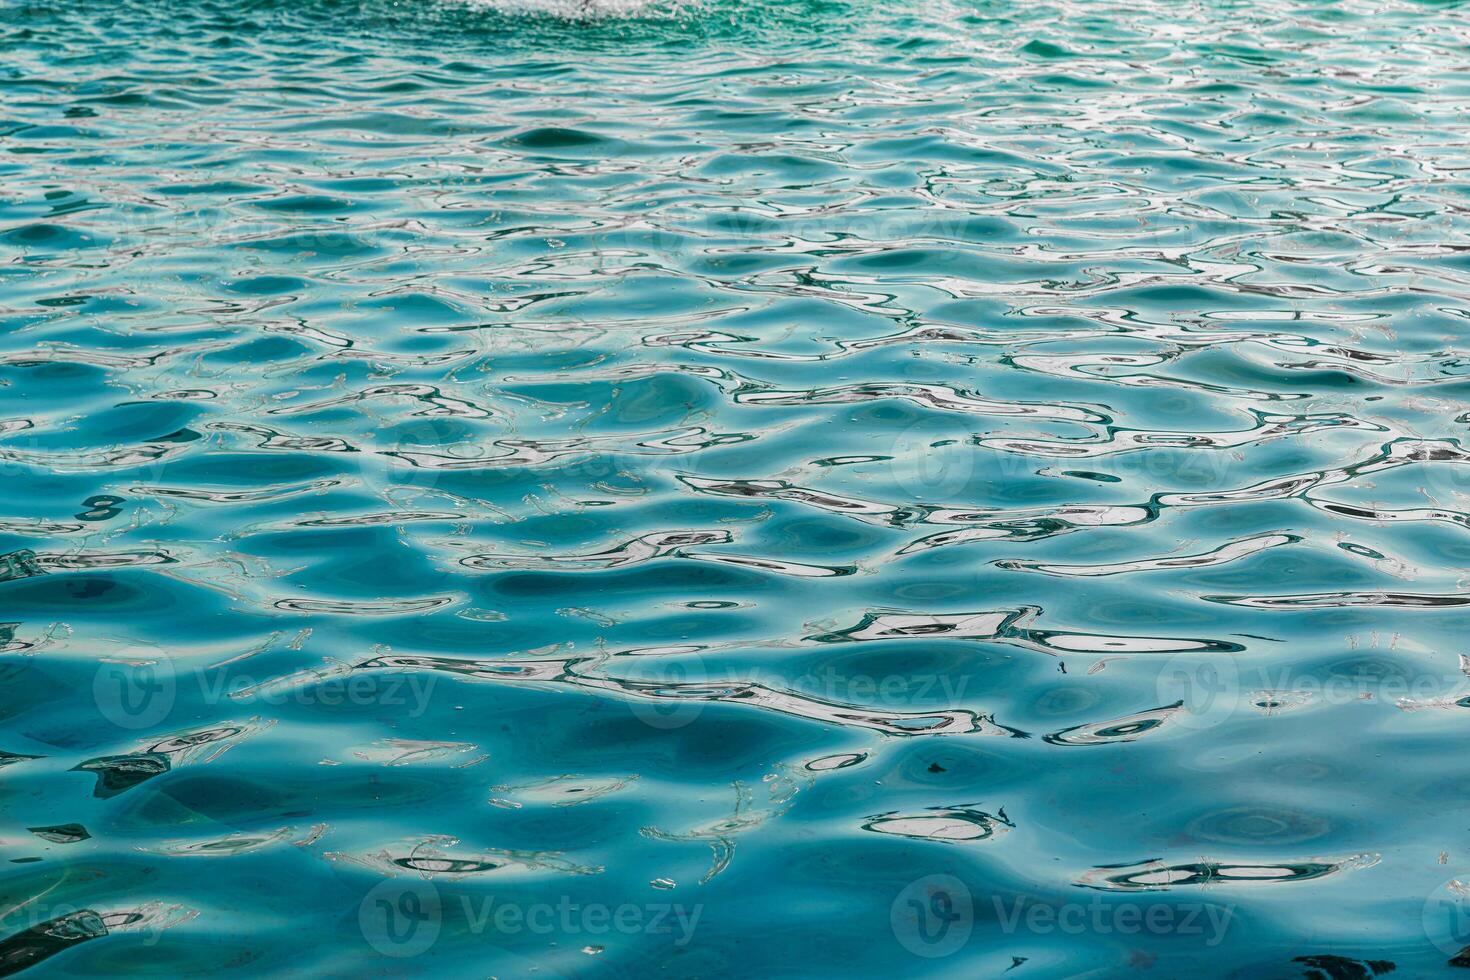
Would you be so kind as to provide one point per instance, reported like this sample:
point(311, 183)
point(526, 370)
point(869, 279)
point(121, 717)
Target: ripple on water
point(610, 486)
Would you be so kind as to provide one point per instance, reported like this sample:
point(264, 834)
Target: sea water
point(734, 488)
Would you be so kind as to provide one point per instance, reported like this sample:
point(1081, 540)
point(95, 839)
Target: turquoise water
point(810, 489)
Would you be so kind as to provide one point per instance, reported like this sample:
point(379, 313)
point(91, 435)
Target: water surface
point(734, 488)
